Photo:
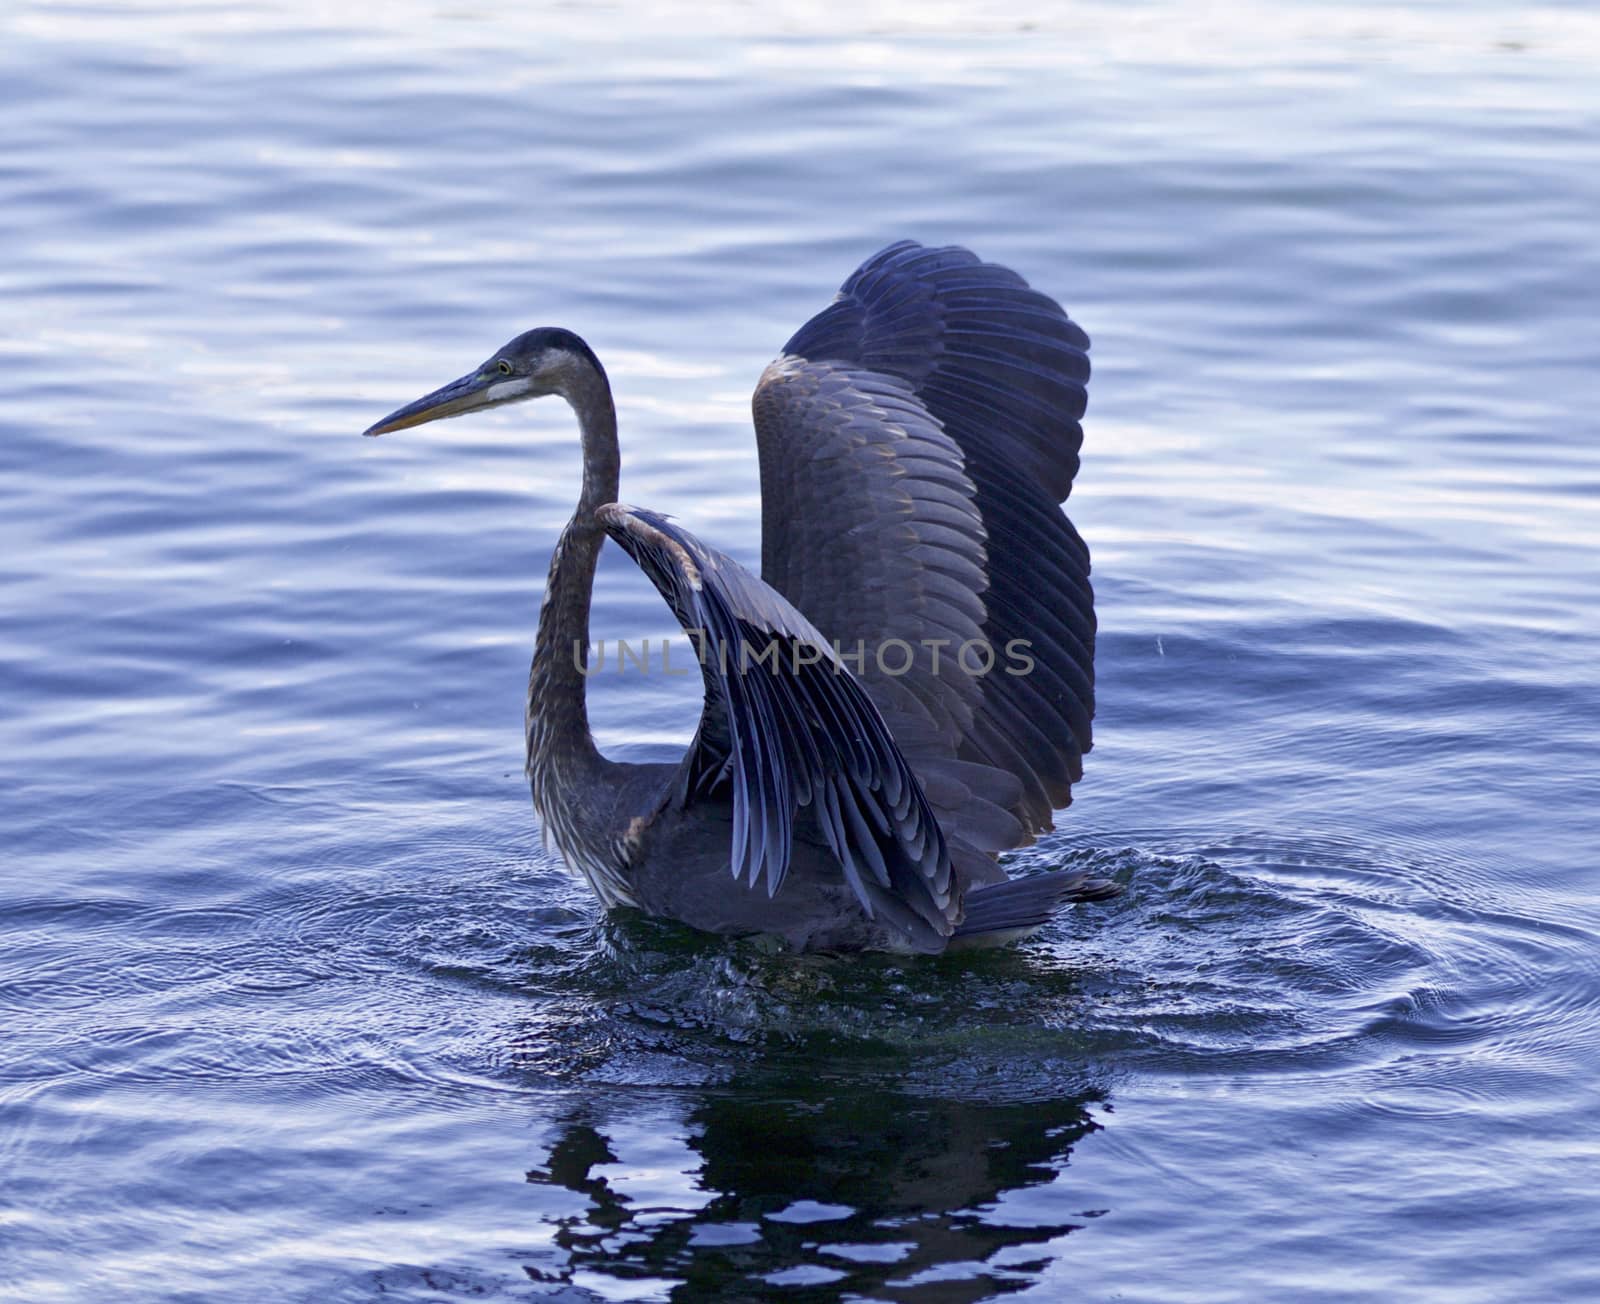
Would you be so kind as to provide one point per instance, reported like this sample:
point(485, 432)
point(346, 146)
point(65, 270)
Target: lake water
point(294, 1004)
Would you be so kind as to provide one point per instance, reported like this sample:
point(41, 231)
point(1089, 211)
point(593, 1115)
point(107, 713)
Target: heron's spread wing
point(786, 726)
point(916, 440)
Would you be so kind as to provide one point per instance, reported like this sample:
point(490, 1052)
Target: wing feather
point(917, 439)
point(786, 727)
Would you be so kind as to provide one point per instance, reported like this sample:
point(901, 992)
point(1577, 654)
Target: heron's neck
point(563, 762)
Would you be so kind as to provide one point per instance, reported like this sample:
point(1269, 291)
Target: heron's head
point(548, 360)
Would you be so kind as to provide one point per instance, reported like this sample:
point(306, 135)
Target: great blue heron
point(916, 440)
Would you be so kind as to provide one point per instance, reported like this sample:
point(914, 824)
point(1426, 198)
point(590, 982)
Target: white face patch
point(507, 391)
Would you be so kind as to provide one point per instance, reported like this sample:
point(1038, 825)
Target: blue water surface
point(295, 1006)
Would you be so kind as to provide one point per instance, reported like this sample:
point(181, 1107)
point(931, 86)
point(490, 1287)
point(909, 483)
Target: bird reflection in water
point(842, 1191)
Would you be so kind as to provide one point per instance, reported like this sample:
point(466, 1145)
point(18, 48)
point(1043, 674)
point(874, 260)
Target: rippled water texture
point(295, 1006)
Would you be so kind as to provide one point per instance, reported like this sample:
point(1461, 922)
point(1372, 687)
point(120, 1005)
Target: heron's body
point(856, 772)
point(681, 872)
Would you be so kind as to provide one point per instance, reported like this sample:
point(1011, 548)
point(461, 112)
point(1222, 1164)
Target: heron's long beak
point(468, 394)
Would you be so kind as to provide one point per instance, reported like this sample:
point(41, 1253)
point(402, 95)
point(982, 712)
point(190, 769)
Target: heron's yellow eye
point(504, 366)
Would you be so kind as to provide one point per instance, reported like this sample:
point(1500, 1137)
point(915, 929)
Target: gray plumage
point(907, 690)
